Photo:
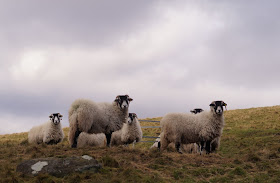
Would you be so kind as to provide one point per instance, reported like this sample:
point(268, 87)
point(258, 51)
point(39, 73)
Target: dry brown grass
point(250, 152)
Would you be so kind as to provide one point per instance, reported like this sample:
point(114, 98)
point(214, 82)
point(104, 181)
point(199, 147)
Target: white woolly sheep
point(188, 148)
point(86, 139)
point(131, 132)
point(183, 128)
point(214, 145)
point(90, 117)
point(49, 132)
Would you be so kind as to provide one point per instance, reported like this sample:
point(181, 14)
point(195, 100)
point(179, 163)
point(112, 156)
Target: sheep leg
point(163, 144)
point(77, 133)
point(159, 145)
point(208, 147)
point(178, 147)
point(201, 146)
point(108, 138)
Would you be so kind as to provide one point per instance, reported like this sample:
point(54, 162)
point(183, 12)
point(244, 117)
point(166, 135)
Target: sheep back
point(97, 117)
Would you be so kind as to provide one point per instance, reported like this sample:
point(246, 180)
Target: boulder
point(58, 167)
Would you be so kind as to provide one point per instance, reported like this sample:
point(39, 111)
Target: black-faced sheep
point(49, 132)
point(188, 148)
point(131, 132)
point(183, 128)
point(90, 117)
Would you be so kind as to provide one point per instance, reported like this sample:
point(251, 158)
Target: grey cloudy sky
point(167, 55)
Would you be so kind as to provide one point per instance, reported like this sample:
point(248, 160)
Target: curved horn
point(224, 104)
point(212, 104)
point(117, 98)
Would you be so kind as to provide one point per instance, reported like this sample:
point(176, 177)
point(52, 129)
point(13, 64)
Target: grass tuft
point(110, 162)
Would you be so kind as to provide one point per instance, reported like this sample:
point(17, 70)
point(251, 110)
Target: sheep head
point(217, 107)
point(123, 101)
point(55, 118)
point(131, 117)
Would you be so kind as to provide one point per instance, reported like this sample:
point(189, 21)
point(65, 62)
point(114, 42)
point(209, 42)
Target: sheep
point(49, 132)
point(181, 128)
point(90, 117)
point(189, 148)
point(86, 139)
point(214, 143)
point(131, 132)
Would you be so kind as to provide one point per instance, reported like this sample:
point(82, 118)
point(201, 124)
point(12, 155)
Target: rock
point(59, 167)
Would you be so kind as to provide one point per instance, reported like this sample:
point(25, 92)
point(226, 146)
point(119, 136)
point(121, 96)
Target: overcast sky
point(169, 56)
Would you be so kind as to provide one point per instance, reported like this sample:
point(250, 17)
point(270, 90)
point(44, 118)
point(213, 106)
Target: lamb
point(49, 132)
point(90, 117)
point(86, 139)
point(131, 132)
point(181, 128)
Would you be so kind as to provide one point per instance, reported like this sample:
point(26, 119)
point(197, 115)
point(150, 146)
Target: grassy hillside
point(250, 152)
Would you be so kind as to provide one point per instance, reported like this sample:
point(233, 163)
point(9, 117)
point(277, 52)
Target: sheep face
point(131, 117)
point(123, 101)
point(217, 107)
point(55, 118)
point(197, 110)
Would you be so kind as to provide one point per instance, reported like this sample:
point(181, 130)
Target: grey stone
point(58, 167)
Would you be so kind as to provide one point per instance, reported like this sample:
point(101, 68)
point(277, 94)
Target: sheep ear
point(51, 116)
point(212, 104)
point(192, 111)
point(60, 115)
point(130, 99)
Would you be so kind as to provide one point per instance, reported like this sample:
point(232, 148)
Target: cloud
point(169, 56)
